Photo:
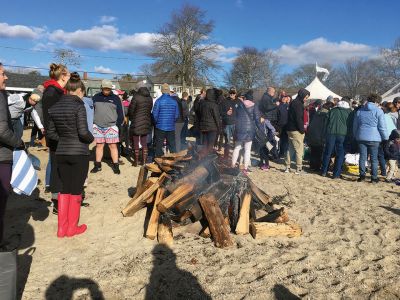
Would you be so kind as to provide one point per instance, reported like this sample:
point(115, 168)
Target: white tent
point(319, 91)
point(392, 93)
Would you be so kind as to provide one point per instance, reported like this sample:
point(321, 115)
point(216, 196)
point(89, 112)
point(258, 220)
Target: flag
point(322, 70)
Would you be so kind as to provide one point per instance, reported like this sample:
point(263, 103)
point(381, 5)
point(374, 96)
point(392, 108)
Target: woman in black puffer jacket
point(140, 116)
point(209, 119)
point(68, 126)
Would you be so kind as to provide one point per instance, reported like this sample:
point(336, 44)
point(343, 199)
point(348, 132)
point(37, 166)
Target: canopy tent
point(390, 98)
point(392, 93)
point(319, 91)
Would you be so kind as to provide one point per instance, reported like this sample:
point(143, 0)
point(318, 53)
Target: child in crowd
point(392, 153)
point(265, 150)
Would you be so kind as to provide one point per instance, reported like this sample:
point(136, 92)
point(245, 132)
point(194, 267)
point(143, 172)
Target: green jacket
point(338, 121)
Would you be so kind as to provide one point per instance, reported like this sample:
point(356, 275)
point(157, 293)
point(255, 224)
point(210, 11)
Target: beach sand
point(350, 247)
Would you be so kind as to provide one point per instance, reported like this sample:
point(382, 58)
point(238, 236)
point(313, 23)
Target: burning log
point(260, 195)
point(153, 168)
point(177, 195)
point(218, 228)
point(151, 231)
point(242, 226)
point(140, 202)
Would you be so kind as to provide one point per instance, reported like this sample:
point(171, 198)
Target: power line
point(93, 72)
point(81, 55)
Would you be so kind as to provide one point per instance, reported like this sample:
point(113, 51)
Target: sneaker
point(287, 170)
point(97, 168)
point(361, 179)
point(47, 189)
point(300, 172)
point(264, 167)
point(374, 180)
point(249, 170)
point(323, 174)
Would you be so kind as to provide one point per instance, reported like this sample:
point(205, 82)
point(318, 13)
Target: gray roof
point(25, 80)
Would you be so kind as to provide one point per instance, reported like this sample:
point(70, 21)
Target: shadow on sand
point(167, 281)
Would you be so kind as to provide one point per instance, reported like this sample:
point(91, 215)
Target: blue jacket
point(369, 124)
point(165, 113)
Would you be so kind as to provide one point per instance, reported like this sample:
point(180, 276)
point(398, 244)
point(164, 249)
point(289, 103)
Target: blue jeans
point(382, 160)
point(333, 143)
point(48, 172)
point(368, 148)
point(228, 134)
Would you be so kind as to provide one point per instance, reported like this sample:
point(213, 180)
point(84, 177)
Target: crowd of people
point(134, 124)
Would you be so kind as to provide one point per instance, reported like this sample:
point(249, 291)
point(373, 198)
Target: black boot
point(97, 167)
point(115, 168)
point(55, 206)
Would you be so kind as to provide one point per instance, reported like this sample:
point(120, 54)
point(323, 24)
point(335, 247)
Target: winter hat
point(165, 88)
point(106, 84)
point(329, 99)
point(302, 93)
point(249, 95)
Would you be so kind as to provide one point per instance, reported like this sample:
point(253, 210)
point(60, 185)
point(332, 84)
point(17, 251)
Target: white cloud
point(20, 31)
point(107, 19)
point(102, 69)
point(323, 51)
point(225, 54)
point(44, 46)
point(105, 37)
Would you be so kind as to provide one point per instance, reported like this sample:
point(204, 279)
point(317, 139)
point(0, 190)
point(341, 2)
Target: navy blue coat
point(245, 129)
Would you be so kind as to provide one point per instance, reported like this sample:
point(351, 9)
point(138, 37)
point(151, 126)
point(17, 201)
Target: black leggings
point(142, 139)
point(208, 139)
point(5, 187)
point(73, 170)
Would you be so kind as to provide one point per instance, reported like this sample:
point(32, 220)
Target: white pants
point(392, 169)
point(247, 153)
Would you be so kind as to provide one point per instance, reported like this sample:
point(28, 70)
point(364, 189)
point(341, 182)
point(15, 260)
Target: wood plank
point(260, 195)
point(261, 230)
point(243, 224)
point(182, 191)
point(140, 201)
point(153, 167)
point(164, 231)
point(177, 154)
point(218, 228)
point(277, 216)
point(151, 231)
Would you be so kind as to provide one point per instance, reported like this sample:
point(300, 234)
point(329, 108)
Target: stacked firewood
point(189, 187)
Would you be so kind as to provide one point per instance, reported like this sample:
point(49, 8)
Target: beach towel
point(24, 178)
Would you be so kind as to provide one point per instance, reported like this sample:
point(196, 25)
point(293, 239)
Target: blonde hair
point(56, 70)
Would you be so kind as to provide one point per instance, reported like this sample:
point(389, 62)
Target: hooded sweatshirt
point(51, 95)
point(296, 112)
point(369, 124)
point(247, 116)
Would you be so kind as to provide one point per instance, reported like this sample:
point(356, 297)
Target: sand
point(350, 247)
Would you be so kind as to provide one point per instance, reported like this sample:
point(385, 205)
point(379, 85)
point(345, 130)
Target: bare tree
point(391, 62)
point(67, 57)
point(183, 48)
point(253, 68)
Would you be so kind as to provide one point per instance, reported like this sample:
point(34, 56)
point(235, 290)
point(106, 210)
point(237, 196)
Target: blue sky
point(298, 31)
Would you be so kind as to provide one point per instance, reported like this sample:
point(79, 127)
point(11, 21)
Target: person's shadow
point(283, 293)
point(167, 281)
point(63, 288)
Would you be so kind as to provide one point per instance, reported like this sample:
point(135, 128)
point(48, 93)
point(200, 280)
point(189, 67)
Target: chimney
point(85, 77)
